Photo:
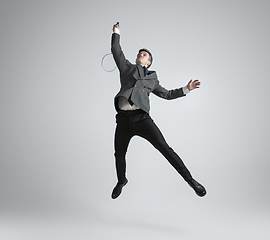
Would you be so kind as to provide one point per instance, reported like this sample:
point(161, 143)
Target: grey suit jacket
point(135, 84)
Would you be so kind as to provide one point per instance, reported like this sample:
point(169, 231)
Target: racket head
point(108, 63)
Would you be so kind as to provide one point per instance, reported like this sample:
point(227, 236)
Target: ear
point(148, 63)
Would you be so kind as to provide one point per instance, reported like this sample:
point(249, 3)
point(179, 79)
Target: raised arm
point(117, 52)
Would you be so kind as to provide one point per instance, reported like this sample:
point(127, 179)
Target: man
point(132, 106)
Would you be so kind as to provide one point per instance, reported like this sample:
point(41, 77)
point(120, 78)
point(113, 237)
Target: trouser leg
point(123, 134)
point(149, 131)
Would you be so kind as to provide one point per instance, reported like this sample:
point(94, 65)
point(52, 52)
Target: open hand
point(193, 84)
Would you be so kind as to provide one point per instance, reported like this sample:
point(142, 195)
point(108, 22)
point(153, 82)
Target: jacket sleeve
point(168, 94)
point(117, 52)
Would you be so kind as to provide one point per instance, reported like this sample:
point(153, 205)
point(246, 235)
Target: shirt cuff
point(186, 90)
point(117, 30)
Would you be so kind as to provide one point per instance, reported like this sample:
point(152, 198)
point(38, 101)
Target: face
point(143, 59)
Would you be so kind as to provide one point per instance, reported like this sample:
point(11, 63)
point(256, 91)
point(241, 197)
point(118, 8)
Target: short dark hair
point(151, 57)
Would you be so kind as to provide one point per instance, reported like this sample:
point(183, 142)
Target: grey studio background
point(57, 129)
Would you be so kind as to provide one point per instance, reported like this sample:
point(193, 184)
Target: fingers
point(194, 84)
point(116, 26)
point(197, 82)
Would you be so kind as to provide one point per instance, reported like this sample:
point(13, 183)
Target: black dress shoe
point(118, 189)
point(198, 188)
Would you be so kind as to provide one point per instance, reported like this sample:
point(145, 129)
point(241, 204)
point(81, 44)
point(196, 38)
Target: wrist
point(186, 90)
point(117, 30)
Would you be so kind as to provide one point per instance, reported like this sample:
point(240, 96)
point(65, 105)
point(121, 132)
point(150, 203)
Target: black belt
point(130, 112)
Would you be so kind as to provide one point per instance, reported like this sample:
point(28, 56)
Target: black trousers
point(138, 122)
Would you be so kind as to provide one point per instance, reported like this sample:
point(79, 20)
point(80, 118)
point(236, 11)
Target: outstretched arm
point(176, 93)
point(168, 94)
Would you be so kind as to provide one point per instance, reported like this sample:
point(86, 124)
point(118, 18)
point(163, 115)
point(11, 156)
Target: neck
point(143, 65)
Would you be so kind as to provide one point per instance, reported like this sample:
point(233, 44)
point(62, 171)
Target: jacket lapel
point(151, 74)
point(140, 71)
